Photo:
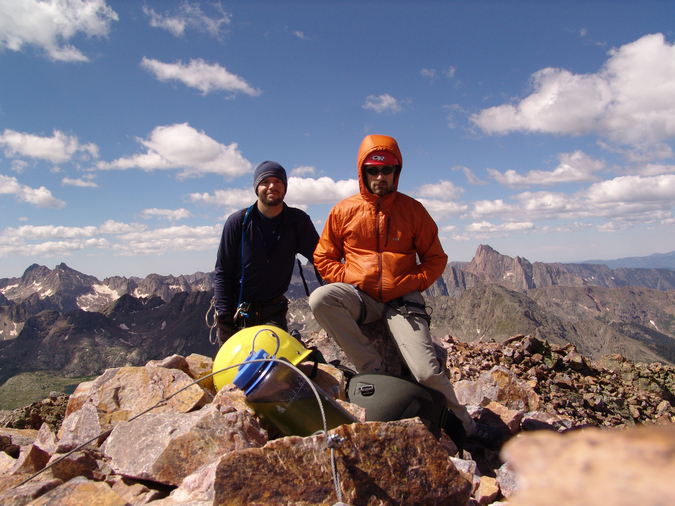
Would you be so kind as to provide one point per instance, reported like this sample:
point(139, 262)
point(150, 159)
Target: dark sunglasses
point(374, 171)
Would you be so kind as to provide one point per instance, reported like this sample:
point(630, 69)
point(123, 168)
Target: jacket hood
point(377, 143)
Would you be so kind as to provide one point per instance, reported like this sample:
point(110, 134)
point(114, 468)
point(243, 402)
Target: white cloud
point(300, 35)
point(40, 197)
point(303, 171)
point(182, 147)
point(574, 167)
point(66, 181)
point(450, 72)
point(233, 198)
point(48, 24)
point(626, 199)
point(441, 210)
point(189, 16)
point(485, 228)
point(430, 73)
point(443, 190)
point(200, 75)
point(34, 233)
point(58, 148)
point(630, 189)
point(165, 240)
point(169, 214)
point(470, 176)
point(126, 239)
point(629, 101)
point(305, 191)
point(382, 103)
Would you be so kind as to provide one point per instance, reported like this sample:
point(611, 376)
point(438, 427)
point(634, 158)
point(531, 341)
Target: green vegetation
point(28, 387)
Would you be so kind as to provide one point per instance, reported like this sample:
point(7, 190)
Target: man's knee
point(317, 298)
point(328, 295)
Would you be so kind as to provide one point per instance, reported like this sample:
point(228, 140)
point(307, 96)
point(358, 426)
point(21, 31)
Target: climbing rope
point(331, 440)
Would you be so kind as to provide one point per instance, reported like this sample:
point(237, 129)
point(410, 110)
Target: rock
point(24, 494)
point(121, 394)
point(536, 420)
point(86, 463)
point(6, 463)
point(11, 440)
point(78, 428)
point(30, 461)
point(621, 467)
point(134, 492)
point(172, 362)
point(506, 480)
point(499, 416)
point(50, 411)
point(378, 462)
point(196, 489)
point(488, 491)
point(81, 492)
point(200, 366)
point(498, 385)
point(170, 446)
point(46, 439)
point(469, 470)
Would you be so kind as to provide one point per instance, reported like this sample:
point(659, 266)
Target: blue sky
point(129, 130)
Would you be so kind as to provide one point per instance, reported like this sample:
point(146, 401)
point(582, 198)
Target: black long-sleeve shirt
point(266, 276)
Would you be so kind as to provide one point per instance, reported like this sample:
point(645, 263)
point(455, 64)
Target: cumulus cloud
point(575, 167)
point(470, 176)
point(189, 15)
point(443, 210)
point(40, 197)
point(303, 171)
point(200, 75)
point(169, 214)
point(165, 240)
point(124, 239)
point(181, 147)
point(625, 199)
point(443, 190)
point(232, 198)
point(324, 190)
point(630, 101)
point(49, 24)
point(58, 148)
point(484, 228)
point(382, 103)
point(66, 181)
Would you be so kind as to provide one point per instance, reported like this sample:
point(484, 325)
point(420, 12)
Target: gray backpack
point(386, 397)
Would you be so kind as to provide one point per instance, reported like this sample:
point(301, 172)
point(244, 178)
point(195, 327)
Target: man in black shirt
point(257, 253)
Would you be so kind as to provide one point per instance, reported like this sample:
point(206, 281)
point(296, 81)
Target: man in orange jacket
point(368, 253)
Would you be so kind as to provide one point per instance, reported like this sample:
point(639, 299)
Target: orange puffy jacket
point(380, 238)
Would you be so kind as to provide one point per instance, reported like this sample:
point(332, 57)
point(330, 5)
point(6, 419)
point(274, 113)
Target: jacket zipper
point(379, 253)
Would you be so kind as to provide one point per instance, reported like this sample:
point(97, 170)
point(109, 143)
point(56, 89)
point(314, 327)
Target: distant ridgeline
point(75, 325)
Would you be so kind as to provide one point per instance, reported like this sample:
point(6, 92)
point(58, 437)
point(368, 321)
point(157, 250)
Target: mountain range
point(73, 324)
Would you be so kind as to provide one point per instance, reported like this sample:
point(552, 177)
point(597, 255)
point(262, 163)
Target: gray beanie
point(269, 169)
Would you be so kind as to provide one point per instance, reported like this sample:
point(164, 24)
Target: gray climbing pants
point(339, 308)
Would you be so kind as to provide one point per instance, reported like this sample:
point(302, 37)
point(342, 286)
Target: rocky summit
point(579, 432)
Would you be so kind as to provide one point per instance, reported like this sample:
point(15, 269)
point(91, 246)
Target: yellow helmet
point(276, 342)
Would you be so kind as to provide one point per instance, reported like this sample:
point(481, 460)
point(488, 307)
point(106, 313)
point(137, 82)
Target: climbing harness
point(409, 308)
